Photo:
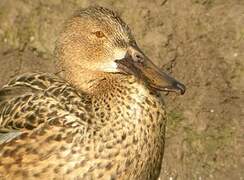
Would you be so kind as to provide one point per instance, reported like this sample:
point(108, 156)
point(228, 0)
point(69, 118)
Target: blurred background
point(199, 42)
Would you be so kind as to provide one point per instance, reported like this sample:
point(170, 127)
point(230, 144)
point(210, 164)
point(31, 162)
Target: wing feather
point(31, 99)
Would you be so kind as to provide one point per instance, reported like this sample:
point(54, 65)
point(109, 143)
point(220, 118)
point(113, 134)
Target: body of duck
point(95, 122)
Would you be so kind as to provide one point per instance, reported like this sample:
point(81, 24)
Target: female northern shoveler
point(104, 119)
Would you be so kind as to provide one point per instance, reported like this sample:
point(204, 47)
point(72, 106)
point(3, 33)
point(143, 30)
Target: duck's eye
point(99, 34)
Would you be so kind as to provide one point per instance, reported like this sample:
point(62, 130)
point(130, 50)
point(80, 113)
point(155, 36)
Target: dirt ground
point(200, 42)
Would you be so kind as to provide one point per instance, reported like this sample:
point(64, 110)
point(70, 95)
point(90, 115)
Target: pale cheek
point(119, 54)
point(109, 67)
point(109, 64)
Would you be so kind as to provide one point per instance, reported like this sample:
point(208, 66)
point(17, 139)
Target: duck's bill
point(136, 63)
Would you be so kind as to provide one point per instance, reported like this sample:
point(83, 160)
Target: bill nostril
point(138, 57)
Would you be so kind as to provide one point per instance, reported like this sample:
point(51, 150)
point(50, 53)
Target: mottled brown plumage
point(103, 119)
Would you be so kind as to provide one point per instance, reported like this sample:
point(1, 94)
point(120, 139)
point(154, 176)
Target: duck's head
point(96, 41)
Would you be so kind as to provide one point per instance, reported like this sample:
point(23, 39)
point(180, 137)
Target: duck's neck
point(94, 83)
point(118, 97)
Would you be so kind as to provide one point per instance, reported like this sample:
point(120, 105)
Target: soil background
point(200, 42)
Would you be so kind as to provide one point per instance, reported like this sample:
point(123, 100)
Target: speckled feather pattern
point(94, 122)
point(71, 135)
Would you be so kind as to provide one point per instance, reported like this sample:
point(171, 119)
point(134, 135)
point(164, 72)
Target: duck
point(101, 117)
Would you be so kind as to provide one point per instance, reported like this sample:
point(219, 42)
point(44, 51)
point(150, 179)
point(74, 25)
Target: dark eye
point(99, 34)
